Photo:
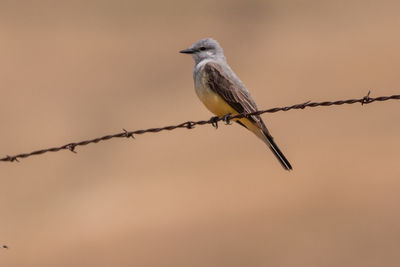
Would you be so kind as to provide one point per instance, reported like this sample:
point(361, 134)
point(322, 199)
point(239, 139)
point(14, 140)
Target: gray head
point(206, 48)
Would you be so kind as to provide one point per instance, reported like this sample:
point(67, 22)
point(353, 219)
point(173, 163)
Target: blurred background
point(73, 70)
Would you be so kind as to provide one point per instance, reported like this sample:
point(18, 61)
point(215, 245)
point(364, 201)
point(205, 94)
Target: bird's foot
point(214, 121)
point(227, 118)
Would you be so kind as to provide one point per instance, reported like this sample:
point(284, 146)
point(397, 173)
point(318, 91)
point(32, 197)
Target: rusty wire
point(190, 124)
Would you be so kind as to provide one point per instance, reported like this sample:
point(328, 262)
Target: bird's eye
point(202, 48)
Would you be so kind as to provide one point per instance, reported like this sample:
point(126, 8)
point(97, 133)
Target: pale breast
point(210, 99)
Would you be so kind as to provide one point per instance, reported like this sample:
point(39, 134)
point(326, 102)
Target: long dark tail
point(278, 153)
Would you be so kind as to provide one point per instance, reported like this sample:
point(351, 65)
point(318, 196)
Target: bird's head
point(207, 48)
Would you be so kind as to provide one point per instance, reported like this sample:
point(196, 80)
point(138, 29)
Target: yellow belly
point(220, 107)
point(214, 102)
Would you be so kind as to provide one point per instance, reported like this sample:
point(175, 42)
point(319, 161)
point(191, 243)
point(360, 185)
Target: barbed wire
point(190, 124)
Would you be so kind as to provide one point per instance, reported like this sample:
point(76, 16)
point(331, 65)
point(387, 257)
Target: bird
point(224, 94)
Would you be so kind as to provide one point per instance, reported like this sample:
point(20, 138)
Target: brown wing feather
point(241, 101)
point(231, 92)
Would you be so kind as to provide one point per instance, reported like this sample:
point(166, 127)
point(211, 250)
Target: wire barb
point(11, 158)
point(366, 99)
point(71, 147)
point(303, 105)
point(190, 124)
point(213, 121)
point(128, 134)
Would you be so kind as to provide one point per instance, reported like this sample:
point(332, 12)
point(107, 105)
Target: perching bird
point(223, 93)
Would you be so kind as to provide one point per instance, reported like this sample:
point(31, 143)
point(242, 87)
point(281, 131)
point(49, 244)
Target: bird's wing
point(231, 92)
point(239, 99)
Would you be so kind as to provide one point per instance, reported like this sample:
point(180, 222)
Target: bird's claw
point(227, 118)
point(214, 122)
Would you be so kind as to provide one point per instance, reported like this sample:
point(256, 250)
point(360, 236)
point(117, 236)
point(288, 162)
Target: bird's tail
point(277, 152)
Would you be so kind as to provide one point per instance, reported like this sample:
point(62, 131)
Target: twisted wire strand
point(190, 124)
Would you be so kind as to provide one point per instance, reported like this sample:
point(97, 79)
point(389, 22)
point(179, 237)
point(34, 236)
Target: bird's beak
point(187, 51)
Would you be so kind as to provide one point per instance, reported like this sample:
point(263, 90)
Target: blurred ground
point(72, 70)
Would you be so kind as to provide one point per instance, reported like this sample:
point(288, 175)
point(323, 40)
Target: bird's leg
point(214, 121)
point(227, 118)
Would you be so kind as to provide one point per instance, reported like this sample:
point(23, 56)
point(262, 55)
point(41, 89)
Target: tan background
point(71, 70)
